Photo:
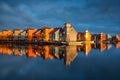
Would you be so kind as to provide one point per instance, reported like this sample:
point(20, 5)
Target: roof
point(37, 31)
point(16, 29)
point(30, 29)
point(54, 30)
point(22, 32)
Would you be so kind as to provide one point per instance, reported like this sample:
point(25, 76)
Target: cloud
point(54, 13)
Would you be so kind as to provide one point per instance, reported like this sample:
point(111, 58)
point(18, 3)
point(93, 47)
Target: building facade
point(70, 33)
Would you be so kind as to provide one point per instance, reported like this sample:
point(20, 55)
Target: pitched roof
point(37, 31)
point(54, 30)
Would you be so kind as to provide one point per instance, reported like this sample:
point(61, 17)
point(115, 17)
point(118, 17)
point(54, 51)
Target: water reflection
point(67, 53)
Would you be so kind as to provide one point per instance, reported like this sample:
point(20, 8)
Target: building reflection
point(67, 53)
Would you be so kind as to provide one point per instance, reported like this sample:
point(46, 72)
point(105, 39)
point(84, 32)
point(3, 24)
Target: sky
point(94, 15)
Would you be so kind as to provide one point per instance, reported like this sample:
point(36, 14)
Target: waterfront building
point(29, 34)
point(46, 34)
point(70, 33)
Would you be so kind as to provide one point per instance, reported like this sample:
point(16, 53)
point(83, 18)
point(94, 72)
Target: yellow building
point(87, 35)
point(10, 35)
point(38, 35)
point(30, 32)
point(46, 35)
point(16, 34)
point(102, 36)
point(6, 34)
point(0, 35)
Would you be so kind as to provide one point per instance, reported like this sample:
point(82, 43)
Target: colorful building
point(6, 35)
point(116, 38)
point(46, 34)
point(79, 36)
point(29, 34)
point(57, 34)
point(37, 35)
point(102, 37)
point(95, 37)
point(85, 36)
point(16, 34)
point(22, 35)
point(70, 33)
point(0, 35)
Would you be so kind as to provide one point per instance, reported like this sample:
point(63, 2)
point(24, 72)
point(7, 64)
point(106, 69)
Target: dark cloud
point(37, 13)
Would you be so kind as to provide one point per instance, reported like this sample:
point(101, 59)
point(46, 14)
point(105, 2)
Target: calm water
point(87, 61)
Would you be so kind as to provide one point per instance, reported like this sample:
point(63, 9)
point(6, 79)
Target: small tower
point(87, 35)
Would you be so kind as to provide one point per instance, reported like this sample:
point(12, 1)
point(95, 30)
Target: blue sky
point(94, 15)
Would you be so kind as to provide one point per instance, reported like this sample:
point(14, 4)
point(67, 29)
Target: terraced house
point(16, 34)
point(57, 34)
point(37, 35)
point(29, 34)
point(46, 34)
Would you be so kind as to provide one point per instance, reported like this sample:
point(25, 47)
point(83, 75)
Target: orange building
point(0, 35)
point(37, 35)
point(31, 52)
point(29, 33)
point(86, 36)
point(6, 34)
point(47, 54)
point(10, 35)
point(46, 35)
point(116, 38)
point(16, 34)
point(79, 36)
point(102, 36)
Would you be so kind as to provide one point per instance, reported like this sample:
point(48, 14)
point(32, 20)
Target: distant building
point(6, 35)
point(85, 36)
point(79, 36)
point(95, 37)
point(29, 34)
point(46, 34)
point(0, 35)
point(109, 37)
point(70, 33)
point(37, 35)
point(102, 37)
point(22, 35)
point(57, 34)
point(16, 34)
point(116, 38)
